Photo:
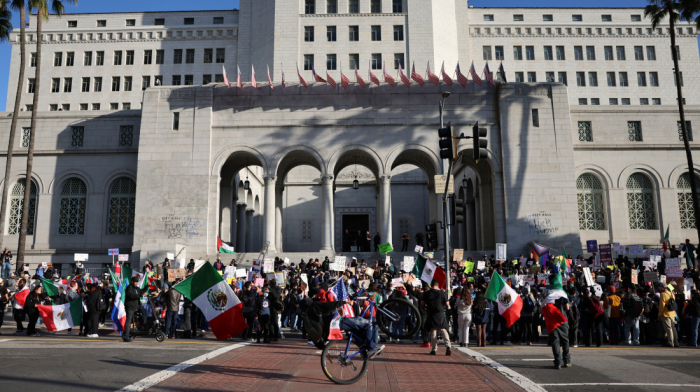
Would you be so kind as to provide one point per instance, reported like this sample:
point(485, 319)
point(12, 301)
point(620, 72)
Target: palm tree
point(5, 28)
point(42, 8)
point(657, 11)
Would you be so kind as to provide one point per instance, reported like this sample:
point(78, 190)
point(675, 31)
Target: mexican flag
point(666, 243)
point(553, 317)
point(509, 302)
point(118, 314)
point(219, 304)
point(128, 273)
point(427, 270)
point(20, 297)
point(53, 288)
point(223, 247)
point(60, 317)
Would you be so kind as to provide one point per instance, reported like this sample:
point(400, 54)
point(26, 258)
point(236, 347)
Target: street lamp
point(464, 181)
point(355, 183)
point(246, 184)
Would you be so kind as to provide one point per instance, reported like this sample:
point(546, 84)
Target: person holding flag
point(509, 305)
point(18, 300)
point(554, 312)
point(132, 304)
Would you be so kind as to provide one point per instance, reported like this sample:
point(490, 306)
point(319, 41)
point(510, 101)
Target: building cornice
point(383, 14)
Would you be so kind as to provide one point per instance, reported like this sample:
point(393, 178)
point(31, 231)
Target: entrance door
point(353, 223)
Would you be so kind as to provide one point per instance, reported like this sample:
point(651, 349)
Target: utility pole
point(445, 206)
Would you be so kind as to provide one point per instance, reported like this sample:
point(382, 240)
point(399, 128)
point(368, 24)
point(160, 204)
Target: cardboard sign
point(652, 277)
point(589, 278)
point(418, 249)
point(592, 246)
point(113, 252)
point(269, 265)
point(635, 250)
point(80, 257)
point(385, 248)
point(501, 251)
point(481, 265)
point(369, 271)
point(123, 258)
point(176, 273)
point(633, 276)
point(352, 270)
point(339, 264)
point(458, 255)
point(408, 263)
point(673, 268)
point(535, 270)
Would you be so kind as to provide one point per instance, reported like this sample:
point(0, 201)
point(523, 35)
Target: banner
point(592, 246)
point(501, 252)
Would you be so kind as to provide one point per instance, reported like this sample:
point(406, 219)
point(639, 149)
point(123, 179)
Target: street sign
point(441, 183)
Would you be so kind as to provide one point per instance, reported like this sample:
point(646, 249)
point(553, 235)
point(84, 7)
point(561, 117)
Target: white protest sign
point(269, 265)
point(597, 290)
point(80, 257)
point(616, 248)
point(339, 263)
point(229, 272)
point(304, 279)
point(286, 261)
point(170, 256)
point(241, 273)
point(658, 252)
point(397, 282)
point(636, 250)
point(480, 265)
point(673, 268)
point(588, 276)
point(257, 266)
point(529, 279)
point(408, 263)
point(419, 249)
point(688, 285)
point(501, 251)
point(388, 260)
point(280, 279)
point(649, 264)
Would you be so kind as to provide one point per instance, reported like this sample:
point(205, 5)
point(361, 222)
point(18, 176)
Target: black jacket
point(92, 300)
point(30, 304)
point(132, 301)
point(248, 298)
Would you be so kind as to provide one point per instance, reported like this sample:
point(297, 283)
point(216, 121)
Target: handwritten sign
point(338, 264)
point(458, 255)
point(80, 257)
point(259, 282)
point(597, 290)
point(480, 265)
point(501, 251)
point(418, 249)
point(650, 265)
point(635, 250)
point(397, 282)
point(286, 261)
point(605, 253)
point(113, 252)
point(529, 279)
point(241, 273)
point(269, 265)
point(385, 248)
point(176, 273)
point(408, 263)
point(369, 271)
point(257, 266)
point(633, 277)
point(673, 268)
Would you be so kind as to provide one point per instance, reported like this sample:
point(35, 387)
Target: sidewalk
point(293, 365)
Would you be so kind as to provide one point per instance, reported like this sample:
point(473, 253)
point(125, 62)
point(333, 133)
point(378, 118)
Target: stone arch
point(493, 159)
point(244, 151)
point(111, 177)
point(40, 186)
point(415, 154)
point(679, 171)
point(290, 157)
point(643, 168)
point(352, 153)
point(58, 181)
point(599, 172)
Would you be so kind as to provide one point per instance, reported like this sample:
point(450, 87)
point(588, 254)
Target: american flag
point(416, 77)
point(301, 79)
point(432, 78)
point(503, 73)
point(488, 76)
point(317, 77)
point(283, 83)
point(252, 77)
point(475, 77)
point(461, 79)
point(358, 78)
point(341, 294)
point(403, 77)
point(226, 78)
point(445, 77)
point(344, 81)
point(239, 82)
point(331, 81)
point(269, 79)
point(375, 79)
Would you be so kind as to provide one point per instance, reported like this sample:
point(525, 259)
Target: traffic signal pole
point(445, 211)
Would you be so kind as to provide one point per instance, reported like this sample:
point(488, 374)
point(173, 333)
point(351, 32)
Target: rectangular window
point(375, 6)
point(85, 87)
point(611, 79)
point(593, 79)
point(57, 59)
point(331, 6)
point(158, 80)
point(308, 33)
point(87, 58)
point(331, 62)
point(354, 60)
point(636, 18)
point(189, 80)
point(532, 77)
point(309, 7)
point(535, 118)
point(578, 52)
point(206, 79)
point(398, 60)
point(147, 56)
point(606, 18)
point(95, 106)
point(145, 82)
point(499, 53)
point(77, 134)
point(585, 132)
point(308, 62)
point(675, 79)
point(488, 18)
point(208, 56)
point(160, 56)
point(83, 106)
point(518, 18)
point(69, 59)
point(354, 33)
point(486, 51)
point(398, 33)
point(620, 53)
point(99, 58)
point(547, 18)
point(577, 18)
point(595, 101)
point(608, 53)
point(219, 78)
point(53, 107)
point(397, 6)
point(126, 105)
point(530, 52)
point(562, 78)
point(560, 53)
point(590, 53)
point(634, 130)
point(549, 77)
point(625, 101)
point(129, 57)
point(651, 53)
point(220, 55)
point(639, 53)
point(189, 21)
point(97, 86)
point(644, 101)
point(688, 129)
point(376, 33)
point(218, 20)
point(176, 121)
point(127, 83)
point(177, 56)
point(376, 61)
point(159, 22)
point(612, 101)
point(548, 53)
point(101, 23)
point(56, 85)
point(126, 135)
point(177, 80)
point(354, 7)
point(115, 83)
point(641, 79)
point(517, 52)
point(519, 77)
point(581, 79)
point(189, 56)
point(654, 79)
point(117, 57)
point(583, 101)
point(623, 79)
point(30, 85)
point(330, 33)
point(32, 61)
point(130, 22)
point(67, 85)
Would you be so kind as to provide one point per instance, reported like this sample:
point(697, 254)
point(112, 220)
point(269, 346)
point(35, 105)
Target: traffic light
point(458, 211)
point(431, 236)
point(479, 144)
point(446, 148)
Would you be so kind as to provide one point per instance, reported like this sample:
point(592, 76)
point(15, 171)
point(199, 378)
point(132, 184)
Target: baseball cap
point(662, 284)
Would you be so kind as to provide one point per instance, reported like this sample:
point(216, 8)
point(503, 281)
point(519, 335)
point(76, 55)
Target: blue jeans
point(170, 319)
point(694, 324)
point(632, 328)
point(360, 327)
point(6, 270)
point(397, 327)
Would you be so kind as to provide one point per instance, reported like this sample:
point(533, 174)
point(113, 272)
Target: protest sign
point(592, 246)
point(259, 282)
point(286, 261)
point(113, 252)
point(501, 251)
point(673, 268)
point(596, 261)
point(587, 275)
point(688, 284)
point(385, 248)
point(80, 257)
point(652, 277)
point(338, 264)
point(529, 279)
point(633, 276)
point(352, 270)
point(123, 258)
point(408, 263)
point(655, 258)
point(418, 249)
point(257, 266)
point(662, 278)
point(616, 247)
point(229, 272)
point(635, 250)
point(176, 273)
point(363, 284)
point(458, 255)
point(241, 273)
point(468, 267)
point(397, 282)
point(597, 290)
point(647, 252)
point(515, 261)
point(44, 264)
point(304, 278)
point(534, 270)
point(605, 253)
point(480, 265)
point(408, 278)
point(280, 278)
point(600, 278)
point(650, 265)
point(269, 265)
point(369, 271)
point(542, 279)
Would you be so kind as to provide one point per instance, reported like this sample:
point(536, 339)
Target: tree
point(5, 28)
point(42, 8)
point(674, 11)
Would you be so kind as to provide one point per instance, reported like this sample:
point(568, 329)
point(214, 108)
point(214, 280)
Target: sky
point(85, 6)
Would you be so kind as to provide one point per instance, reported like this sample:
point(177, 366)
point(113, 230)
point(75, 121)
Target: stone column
point(269, 214)
point(234, 218)
point(385, 207)
point(240, 229)
point(278, 218)
point(327, 230)
point(225, 204)
point(250, 231)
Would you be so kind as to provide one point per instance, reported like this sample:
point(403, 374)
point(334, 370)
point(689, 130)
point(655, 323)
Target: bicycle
point(338, 359)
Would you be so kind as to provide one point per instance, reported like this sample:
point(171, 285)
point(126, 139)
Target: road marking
point(538, 359)
point(522, 381)
point(626, 385)
point(171, 371)
point(656, 348)
point(5, 340)
point(110, 340)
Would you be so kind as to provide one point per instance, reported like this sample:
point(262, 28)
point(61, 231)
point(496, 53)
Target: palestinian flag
point(20, 297)
point(53, 288)
point(666, 243)
point(223, 247)
point(219, 304)
point(553, 317)
point(118, 314)
point(60, 317)
point(509, 302)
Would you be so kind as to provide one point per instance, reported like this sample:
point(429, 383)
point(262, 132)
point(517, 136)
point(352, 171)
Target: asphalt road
point(618, 367)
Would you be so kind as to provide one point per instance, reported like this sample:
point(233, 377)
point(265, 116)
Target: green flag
point(52, 288)
point(418, 266)
point(556, 284)
point(563, 253)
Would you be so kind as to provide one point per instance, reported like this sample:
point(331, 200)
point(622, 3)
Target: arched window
point(72, 213)
point(122, 206)
point(640, 202)
point(16, 202)
point(591, 206)
point(685, 200)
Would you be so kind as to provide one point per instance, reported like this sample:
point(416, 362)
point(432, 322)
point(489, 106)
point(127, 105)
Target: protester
point(172, 307)
point(667, 315)
point(464, 316)
point(35, 298)
point(435, 301)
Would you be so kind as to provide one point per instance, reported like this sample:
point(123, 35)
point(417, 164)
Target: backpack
point(528, 305)
point(101, 304)
point(671, 305)
point(596, 308)
point(637, 308)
